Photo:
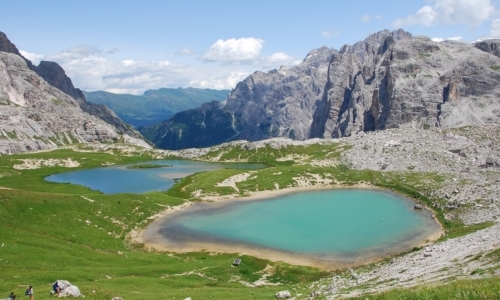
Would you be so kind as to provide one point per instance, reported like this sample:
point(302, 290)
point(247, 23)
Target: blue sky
point(130, 46)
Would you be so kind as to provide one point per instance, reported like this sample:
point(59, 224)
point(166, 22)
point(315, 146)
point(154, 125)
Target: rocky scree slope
point(40, 108)
point(466, 163)
point(389, 80)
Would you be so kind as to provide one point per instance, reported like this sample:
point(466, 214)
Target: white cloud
point(330, 33)
point(91, 71)
point(454, 38)
point(495, 28)
point(279, 59)
point(90, 68)
point(367, 18)
point(74, 54)
point(34, 58)
point(466, 12)
point(186, 52)
point(227, 81)
point(234, 51)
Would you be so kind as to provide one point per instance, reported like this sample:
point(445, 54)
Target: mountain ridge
point(389, 80)
point(41, 109)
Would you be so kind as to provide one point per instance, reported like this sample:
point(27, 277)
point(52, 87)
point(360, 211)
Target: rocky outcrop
point(280, 102)
point(490, 46)
point(414, 83)
point(389, 80)
point(205, 126)
point(44, 112)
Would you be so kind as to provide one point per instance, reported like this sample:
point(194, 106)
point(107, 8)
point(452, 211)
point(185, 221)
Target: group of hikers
point(29, 292)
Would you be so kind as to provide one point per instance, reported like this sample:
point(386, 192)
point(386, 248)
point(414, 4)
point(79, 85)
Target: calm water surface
point(346, 223)
point(119, 179)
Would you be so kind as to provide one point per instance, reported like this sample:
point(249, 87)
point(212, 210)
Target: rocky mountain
point(154, 106)
point(189, 128)
point(41, 109)
point(388, 80)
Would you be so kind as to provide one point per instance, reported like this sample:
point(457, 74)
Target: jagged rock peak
point(41, 109)
point(7, 46)
point(489, 46)
point(319, 52)
point(372, 43)
point(54, 74)
point(388, 80)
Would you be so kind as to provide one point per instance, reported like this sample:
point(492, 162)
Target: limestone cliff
point(414, 83)
point(40, 108)
point(388, 80)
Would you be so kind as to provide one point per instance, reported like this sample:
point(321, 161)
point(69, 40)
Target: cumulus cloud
point(454, 38)
point(91, 70)
point(234, 51)
point(75, 53)
point(495, 28)
point(226, 81)
point(34, 58)
point(367, 18)
point(278, 59)
point(466, 12)
point(186, 52)
point(137, 76)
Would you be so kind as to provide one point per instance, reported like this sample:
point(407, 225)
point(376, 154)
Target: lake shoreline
point(153, 240)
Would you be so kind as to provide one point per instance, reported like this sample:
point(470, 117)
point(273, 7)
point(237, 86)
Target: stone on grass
point(283, 295)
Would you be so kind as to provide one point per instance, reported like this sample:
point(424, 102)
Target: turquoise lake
point(121, 179)
point(346, 224)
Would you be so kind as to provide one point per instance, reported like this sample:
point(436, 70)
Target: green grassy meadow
point(56, 231)
point(52, 231)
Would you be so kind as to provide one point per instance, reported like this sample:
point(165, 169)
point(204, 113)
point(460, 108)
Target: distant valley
point(154, 106)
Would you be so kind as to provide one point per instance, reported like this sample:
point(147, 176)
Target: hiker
point(12, 296)
point(56, 288)
point(29, 292)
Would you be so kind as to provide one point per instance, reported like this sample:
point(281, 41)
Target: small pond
point(136, 179)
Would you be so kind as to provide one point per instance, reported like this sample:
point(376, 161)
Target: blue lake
point(333, 225)
point(338, 225)
point(121, 179)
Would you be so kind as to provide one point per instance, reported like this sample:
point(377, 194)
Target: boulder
point(283, 295)
point(67, 289)
point(492, 161)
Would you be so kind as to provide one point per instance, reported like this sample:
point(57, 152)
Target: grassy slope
point(52, 231)
point(49, 232)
